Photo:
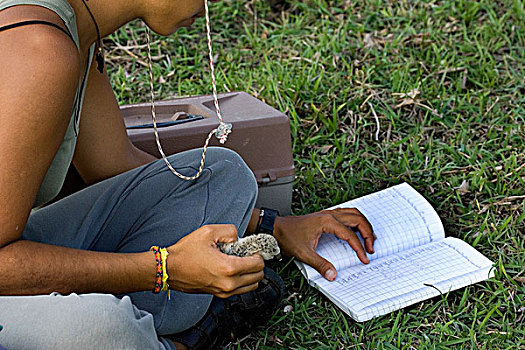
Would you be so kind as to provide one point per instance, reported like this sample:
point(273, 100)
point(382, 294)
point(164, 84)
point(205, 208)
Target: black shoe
point(278, 5)
point(234, 317)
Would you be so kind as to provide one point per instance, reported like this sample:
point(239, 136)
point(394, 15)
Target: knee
point(232, 169)
point(225, 156)
point(220, 162)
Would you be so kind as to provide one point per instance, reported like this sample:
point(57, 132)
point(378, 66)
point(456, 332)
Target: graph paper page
point(393, 282)
point(401, 219)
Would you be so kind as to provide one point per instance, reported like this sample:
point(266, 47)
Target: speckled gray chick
point(263, 244)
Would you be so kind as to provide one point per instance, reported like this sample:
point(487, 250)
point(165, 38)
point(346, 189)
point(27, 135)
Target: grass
point(446, 82)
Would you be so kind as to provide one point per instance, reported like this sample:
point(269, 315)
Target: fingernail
point(330, 275)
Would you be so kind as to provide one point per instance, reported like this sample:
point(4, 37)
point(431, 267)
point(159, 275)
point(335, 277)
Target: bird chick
point(263, 244)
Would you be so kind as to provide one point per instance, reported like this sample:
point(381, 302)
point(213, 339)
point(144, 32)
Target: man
point(91, 251)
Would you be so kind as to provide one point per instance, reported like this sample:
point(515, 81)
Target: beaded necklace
point(221, 132)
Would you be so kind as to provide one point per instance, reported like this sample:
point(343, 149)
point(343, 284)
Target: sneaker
point(278, 5)
point(234, 317)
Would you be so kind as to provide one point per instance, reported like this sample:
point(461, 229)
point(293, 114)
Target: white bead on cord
point(221, 132)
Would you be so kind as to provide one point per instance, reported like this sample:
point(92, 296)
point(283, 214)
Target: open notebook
point(413, 260)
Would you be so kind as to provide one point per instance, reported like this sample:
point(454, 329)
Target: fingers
point(241, 275)
point(369, 244)
point(236, 285)
point(323, 266)
point(241, 290)
point(352, 217)
point(234, 265)
point(248, 279)
point(341, 231)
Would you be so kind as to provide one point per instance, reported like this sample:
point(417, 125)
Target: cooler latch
point(267, 177)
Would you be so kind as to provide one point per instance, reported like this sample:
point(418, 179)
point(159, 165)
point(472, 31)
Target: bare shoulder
point(40, 66)
point(38, 52)
point(39, 73)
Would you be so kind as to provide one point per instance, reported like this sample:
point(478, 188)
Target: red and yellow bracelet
point(160, 270)
point(161, 277)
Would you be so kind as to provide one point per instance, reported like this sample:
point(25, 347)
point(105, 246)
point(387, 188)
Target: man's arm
point(34, 115)
point(36, 99)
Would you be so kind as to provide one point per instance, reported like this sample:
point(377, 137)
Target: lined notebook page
point(401, 219)
point(396, 281)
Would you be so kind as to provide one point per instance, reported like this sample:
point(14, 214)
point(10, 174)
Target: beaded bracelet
point(159, 275)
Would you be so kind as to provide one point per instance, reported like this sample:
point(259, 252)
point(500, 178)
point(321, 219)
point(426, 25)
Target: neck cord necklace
point(100, 54)
point(221, 132)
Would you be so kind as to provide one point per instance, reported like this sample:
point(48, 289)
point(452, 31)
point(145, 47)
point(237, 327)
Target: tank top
point(56, 173)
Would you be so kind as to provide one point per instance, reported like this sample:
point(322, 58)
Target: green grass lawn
point(445, 81)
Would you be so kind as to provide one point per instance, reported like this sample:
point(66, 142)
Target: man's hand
point(196, 265)
point(298, 236)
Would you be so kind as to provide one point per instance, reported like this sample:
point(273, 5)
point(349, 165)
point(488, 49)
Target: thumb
point(323, 266)
point(224, 233)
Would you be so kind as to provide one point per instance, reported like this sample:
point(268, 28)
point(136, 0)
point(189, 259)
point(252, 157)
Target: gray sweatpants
point(129, 213)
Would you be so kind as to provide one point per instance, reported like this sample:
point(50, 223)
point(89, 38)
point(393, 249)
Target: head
point(166, 16)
